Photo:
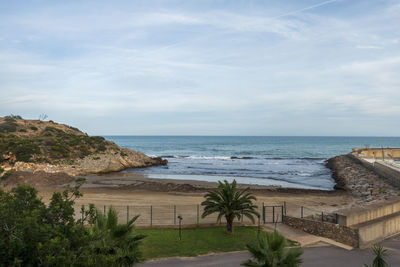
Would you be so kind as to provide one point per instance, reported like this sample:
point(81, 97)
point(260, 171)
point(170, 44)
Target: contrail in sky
point(305, 8)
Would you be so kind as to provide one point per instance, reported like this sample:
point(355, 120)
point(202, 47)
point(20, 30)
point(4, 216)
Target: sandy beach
point(127, 189)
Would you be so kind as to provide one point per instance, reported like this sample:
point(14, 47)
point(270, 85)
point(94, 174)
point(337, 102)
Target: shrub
point(25, 149)
point(12, 116)
point(8, 127)
point(22, 130)
point(40, 235)
point(34, 128)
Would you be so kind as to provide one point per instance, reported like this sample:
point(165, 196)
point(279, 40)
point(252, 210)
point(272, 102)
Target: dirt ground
point(159, 201)
point(130, 189)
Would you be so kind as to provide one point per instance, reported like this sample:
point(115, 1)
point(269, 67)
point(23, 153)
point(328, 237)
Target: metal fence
point(167, 215)
point(299, 211)
point(163, 215)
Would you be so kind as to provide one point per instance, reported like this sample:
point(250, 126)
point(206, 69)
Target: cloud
point(224, 67)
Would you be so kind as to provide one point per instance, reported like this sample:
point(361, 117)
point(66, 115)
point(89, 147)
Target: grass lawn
point(161, 243)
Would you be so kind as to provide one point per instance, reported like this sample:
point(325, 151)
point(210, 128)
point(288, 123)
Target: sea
point(290, 162)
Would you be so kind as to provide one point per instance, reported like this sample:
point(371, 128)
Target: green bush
point(25, 149)
point(12, 116)
point(34, 128)
point(38, 235)
point(8, 127)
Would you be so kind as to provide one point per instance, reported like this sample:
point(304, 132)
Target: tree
point(380, 254)
point(33, 234)
point(271, 250)
point(228, 202)
point(115, 244)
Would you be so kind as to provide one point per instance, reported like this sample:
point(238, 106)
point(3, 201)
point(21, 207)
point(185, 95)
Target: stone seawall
point(342, 234)
point(360, 180)
point(388, 174)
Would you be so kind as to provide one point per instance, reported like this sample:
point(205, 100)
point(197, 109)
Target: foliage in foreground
point(272, 250)
point(229, 202)
point(33, 234)
point(380, 254)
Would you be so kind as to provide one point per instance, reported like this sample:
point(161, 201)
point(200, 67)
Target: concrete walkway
point(303, 238)
point(326, 256)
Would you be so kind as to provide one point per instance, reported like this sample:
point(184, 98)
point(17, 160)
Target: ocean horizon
point(285, 161)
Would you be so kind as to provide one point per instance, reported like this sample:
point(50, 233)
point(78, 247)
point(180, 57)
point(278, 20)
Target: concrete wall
point(378, 153)
point(342, 234)
point(368, 213)
point(372, 223)
point(376, 231)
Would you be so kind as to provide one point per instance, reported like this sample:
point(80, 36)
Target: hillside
point(34, 145)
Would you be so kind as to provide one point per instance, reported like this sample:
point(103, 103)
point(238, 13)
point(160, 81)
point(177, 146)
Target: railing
point(167, 215)
point(299, 211)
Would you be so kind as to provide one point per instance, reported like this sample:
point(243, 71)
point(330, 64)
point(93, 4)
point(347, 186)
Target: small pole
point(127, 213)
point(322, 215)
point(198, 213)
point(284, 205)
point(104, 210)
point(282, 214)
point(273, 214)
point(301, 211)
point(263, 212)
point(174, 214)
point(151, 215)
point(258, 229)
point(180, 227)
point(337, 218)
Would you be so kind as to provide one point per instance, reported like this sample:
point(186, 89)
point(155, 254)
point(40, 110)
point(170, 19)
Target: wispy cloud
point(298, 62)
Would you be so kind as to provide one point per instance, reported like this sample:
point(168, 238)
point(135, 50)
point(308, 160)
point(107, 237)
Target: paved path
point(327, 256)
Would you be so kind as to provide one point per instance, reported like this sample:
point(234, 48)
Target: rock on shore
point(362, 183)
point(104, 162)
point(34, 146)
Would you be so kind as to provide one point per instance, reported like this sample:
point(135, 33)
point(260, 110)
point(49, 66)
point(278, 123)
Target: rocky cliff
point(46, 146)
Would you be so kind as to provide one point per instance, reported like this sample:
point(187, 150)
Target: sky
point(266, 67)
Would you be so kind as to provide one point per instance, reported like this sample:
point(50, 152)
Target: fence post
point(82, 211)
point(198, 213)
point(284, 205)
point(273, 214)
point(104, 210)
point(151, 215)
point(263, 212)
point(322, 216)
point(337, 218)
point(127, 213)
point(174, 214)
point(301, 211)
point(282, 214)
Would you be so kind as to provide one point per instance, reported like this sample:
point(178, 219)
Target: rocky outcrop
point(31, 146)
point(108, 161)
point(364, 184)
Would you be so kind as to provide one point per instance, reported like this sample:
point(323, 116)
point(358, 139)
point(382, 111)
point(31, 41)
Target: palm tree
point(380, 254)
point(115, 244)
point(271, 250)
point(228, 202)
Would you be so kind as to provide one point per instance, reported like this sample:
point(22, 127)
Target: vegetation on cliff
point(40, 141)
point(35, 145)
